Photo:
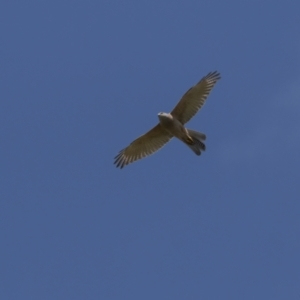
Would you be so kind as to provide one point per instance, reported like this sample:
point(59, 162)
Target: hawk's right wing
point(143, 146)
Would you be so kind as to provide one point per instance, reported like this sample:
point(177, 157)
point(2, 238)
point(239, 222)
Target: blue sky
point(79, 81)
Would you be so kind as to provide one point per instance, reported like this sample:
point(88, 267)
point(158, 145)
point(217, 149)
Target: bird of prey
point(172, 125)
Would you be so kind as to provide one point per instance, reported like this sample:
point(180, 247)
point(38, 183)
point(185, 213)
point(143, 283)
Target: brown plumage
point(171, 125)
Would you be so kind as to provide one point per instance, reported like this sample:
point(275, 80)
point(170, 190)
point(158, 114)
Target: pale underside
point(157, 137)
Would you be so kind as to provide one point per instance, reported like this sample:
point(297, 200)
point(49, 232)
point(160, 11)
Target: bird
point(172, 125)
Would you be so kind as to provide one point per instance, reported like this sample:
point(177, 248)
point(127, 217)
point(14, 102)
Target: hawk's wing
point(194, 98)
point(143, 146)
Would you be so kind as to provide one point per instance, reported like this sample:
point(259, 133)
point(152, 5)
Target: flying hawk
point(172, 125)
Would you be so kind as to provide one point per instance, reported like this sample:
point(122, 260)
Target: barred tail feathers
point(198, 137)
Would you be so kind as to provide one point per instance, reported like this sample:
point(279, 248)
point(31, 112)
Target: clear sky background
point(79, 80)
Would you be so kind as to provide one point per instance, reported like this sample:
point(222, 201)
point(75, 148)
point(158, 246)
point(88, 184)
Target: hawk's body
point(171, 125)
point(190, 137)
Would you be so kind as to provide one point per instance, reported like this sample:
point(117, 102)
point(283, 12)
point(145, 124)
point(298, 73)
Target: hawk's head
point(164, 116)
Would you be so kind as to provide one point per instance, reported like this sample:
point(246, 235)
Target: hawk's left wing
point(194, 98)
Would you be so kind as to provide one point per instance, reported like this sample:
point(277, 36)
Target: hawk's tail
point(196, 143)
